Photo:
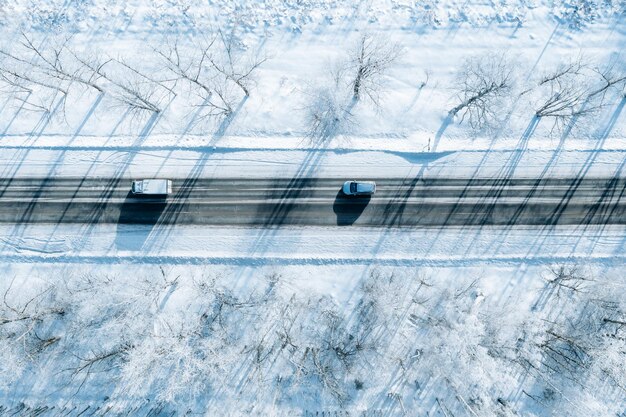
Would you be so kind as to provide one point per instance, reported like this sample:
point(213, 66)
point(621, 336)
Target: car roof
point(365, 186)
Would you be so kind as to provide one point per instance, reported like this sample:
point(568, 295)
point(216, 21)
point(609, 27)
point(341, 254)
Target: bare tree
point(330, 107)
point(57, 62)
point(569, 94)
point(367, 64)
point(233, 64)
point(57, 67)
point(611, 78)
point(194, 67)
point(129, 86)
point(215, 67)
point(29, 65)
point(140, 91)
point(98, 362)
point(15, 72)
point(569, 278)
point(483, 85)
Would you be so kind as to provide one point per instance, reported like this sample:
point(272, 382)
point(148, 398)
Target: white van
point(152, 187)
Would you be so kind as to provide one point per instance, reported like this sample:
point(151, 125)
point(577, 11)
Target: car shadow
point(349, 208)
point(144, 211)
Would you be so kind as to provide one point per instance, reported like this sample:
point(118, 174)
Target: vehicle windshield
point(353, 187)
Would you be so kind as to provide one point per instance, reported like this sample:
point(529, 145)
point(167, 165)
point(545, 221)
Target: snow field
point(282, 339)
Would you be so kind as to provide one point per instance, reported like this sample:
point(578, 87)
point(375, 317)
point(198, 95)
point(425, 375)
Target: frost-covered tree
point(327, 113)
point(29, 316)
point(403, 342)
point(459, 349)
point(577, 353)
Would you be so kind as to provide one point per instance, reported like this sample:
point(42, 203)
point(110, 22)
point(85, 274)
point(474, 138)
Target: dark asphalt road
point(272, 202)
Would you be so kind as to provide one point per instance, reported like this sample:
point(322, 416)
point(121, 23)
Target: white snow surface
point(417, 92)
point(339, 163)
point(147, 285)
point(314, 246)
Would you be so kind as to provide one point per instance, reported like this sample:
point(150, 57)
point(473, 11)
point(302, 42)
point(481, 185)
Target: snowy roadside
point(314, 246)
point(420, 142)
point(341, 164)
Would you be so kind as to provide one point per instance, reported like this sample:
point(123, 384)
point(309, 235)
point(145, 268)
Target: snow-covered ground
point(300, 321)
point(302, 42)
point(340, 164)
point(251, 247)
point(304, 321)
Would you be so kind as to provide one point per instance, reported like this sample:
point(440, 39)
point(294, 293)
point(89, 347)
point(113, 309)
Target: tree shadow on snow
point(143, 211)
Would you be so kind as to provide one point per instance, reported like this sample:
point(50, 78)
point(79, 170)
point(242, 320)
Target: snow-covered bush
point(295, 16)
point(327, 113)
point(579, 13)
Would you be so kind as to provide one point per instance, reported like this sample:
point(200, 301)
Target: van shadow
point(348, 209)
point(138, 210)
